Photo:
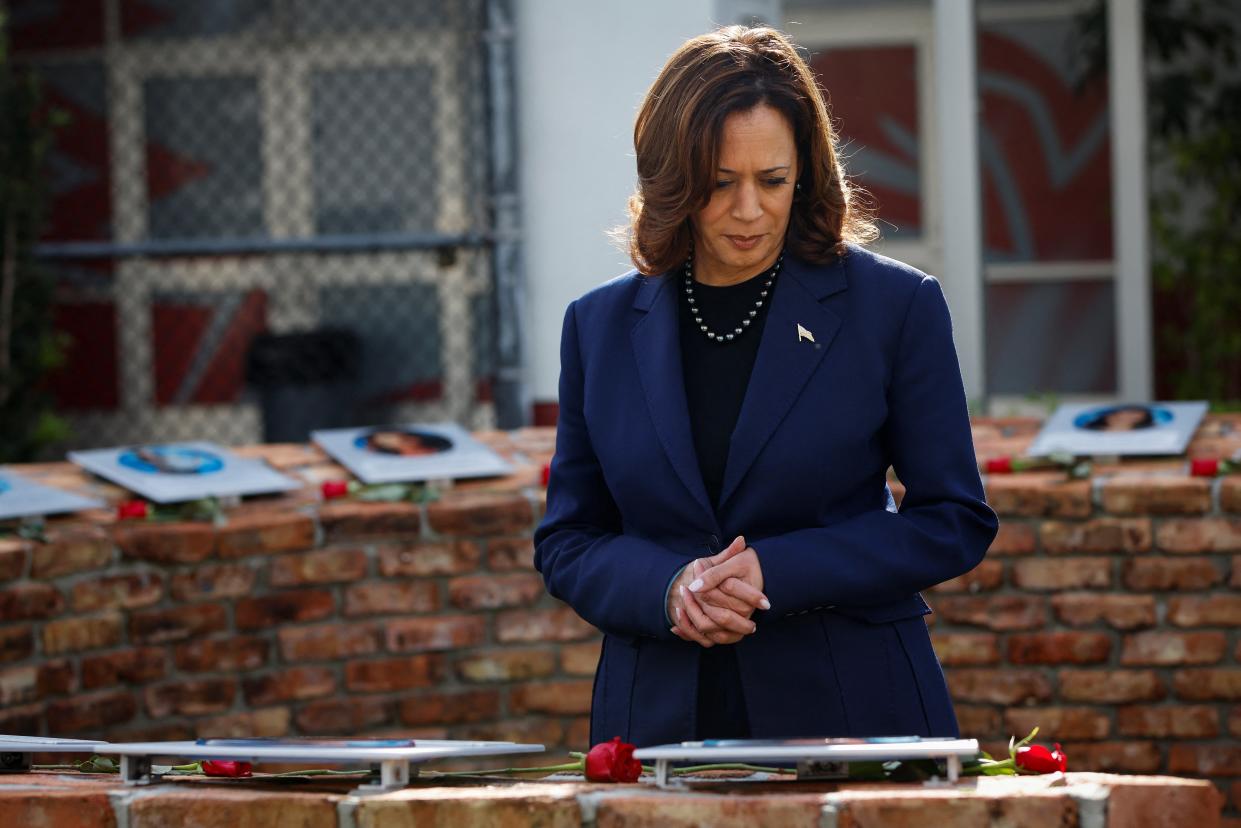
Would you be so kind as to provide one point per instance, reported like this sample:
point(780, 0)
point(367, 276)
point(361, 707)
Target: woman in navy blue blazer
point(718, 502)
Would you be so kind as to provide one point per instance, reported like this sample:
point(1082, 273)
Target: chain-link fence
point(269, 214)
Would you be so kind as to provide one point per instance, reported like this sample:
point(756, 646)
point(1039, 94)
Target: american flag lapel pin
point(802, 333)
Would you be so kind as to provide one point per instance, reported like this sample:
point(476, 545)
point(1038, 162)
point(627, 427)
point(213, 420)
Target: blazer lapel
point(786, 359)
point(657, 347)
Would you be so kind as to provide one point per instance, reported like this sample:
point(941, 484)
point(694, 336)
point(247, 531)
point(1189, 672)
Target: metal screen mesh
point(267, 215)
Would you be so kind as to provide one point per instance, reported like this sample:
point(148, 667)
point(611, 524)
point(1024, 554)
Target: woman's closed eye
point(770, 182)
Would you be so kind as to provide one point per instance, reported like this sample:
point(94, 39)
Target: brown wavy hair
point(677, 137)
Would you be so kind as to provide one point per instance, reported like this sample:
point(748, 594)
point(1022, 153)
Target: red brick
point(272, 611)
point(1156, 496)
point(1171, 649)
point(21, 721)
point(1059, 648)
point(476, 592)
point(161, 732)
point(966, 648)
point(580, 659)
point(35, 808)
point(1235, 580)
point(19, 685)
point(987, 575)
point(132, 666)
point(977, 720)
point(1148, 802)
point(347, 520)
point(391, 598)
point(16, 643)
point(73, 635)
point(406, 635)
point(1007, 686)
point(1038, 496)
point(323, 566)
point(57, 677)
point(1062, 573)
point(1234, 720)
point(578, 732)
point(233, 654)
point(344, 715)
point(329, 642)
point(393, 673)
point(1161, 722)
point(14, 552)
point(1211, 611)
point(1150, 574)
point(1205, 534)
point(128, 591)
point(1230, 494)
point(1114, 757)
point(267, 722)
point(84, 715)
point(1111, 686)
point(264, 533)
point(1057, 723)
point(166, 542)
point(421, 559)
point(214, 582)
point(560, 624)
point(190, 698)
point(23, 601)
point(540, 730)
point(451, 708)
point(1123, 612)
point(1013, 539)
point(289, 685)
point(508, 554)
point(506, 665)
point(81, 549)
point(225, 808)
point(996, 612)
point(543, 806)
point(1223, 684)
point(562, 698)
point(1205, 760)
point(1100, 536)
point(164, 625)
point(481, 513)
point(859, 811)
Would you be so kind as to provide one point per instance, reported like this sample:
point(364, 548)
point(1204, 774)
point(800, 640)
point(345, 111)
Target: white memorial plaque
point(413, 452)
point(1119, 429)
point(20, 497)
point(176, 472)
point(757, 751)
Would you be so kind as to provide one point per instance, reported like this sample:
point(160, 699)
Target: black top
point(716, 376)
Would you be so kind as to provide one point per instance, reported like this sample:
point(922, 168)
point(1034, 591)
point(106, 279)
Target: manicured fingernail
point(696, 585)
point(678, 610)
point(765, 604)
point(753, 627)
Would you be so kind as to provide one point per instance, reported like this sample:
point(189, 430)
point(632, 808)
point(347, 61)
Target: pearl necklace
point(745, 323)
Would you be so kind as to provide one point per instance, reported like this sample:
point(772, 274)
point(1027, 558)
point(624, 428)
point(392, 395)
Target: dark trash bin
point(304, 381)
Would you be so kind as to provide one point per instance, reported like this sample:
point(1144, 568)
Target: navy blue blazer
point(844, 650)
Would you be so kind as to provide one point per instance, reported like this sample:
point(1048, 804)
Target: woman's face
point(741, 230)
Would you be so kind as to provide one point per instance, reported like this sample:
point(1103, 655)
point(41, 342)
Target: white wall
point(582, 71)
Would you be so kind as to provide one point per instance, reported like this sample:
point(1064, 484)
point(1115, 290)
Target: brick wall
point(1107, 612)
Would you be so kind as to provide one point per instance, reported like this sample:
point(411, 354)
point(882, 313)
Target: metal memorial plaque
point(410, 453)
point(20, 497)
point(1120, 429)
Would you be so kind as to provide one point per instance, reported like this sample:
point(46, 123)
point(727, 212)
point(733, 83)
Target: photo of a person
point(1118, 418)
point(404, 442)
point(171, 459)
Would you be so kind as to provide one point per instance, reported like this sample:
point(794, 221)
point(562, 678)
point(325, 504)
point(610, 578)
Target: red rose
point(1041, 760)
point(1000, 465)
point(211, 767)
point(547, 474)
point(131, 510)
point(1204, 467)
point(612, 762)
point(333, 489)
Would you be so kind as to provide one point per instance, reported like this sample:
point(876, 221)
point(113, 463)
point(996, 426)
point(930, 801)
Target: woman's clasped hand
point(712, 600)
